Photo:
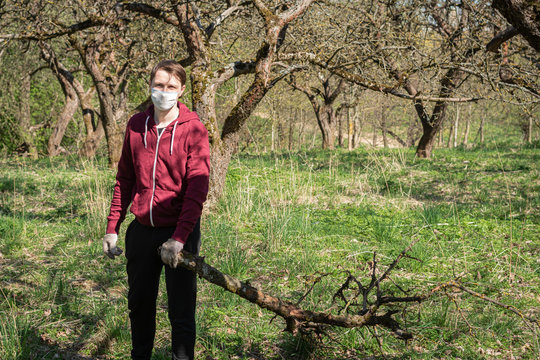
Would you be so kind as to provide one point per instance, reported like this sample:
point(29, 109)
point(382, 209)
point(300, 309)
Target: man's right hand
point(109, 245)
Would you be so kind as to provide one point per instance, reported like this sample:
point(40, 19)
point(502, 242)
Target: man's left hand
point(169, 252)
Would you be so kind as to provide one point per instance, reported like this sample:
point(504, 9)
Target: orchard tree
point(322, 100)
point(252, 33)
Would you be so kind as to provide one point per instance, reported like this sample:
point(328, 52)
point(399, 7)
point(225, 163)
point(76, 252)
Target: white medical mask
point(164, 100)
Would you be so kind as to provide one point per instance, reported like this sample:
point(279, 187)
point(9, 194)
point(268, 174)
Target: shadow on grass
point(41, 346)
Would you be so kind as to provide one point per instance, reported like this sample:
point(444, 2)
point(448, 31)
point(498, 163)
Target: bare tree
point(322, 101)
point(71, 101)
point(109, 46)
point(75, 97)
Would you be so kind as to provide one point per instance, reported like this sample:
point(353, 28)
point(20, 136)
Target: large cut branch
point(295, 317)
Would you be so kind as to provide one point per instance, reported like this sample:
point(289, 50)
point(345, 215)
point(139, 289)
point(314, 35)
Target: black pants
point(144, 269)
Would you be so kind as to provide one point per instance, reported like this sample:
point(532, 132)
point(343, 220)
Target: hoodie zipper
point(154, 176)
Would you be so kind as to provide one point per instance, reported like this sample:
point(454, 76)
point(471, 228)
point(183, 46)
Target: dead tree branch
point(295, 317)
point(371, 313)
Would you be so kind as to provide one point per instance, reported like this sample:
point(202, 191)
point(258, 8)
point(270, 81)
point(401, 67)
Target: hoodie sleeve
point(197, 177)
point(125, 180)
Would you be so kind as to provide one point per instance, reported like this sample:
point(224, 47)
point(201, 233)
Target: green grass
point(285, 221)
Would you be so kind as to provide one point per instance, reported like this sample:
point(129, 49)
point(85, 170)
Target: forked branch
point(295, 317)
point(368, 313)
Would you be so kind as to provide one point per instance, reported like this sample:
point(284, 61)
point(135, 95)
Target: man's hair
point(172, 67)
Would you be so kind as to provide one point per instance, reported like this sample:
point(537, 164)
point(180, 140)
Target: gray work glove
point(169, 252)
point(109, 245)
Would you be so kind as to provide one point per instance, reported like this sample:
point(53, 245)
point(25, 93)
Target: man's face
point(164, 81)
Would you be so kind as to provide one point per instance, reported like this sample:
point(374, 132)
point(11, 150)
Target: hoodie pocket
point(166, 207)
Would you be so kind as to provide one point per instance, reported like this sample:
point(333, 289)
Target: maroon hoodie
point(164, 177)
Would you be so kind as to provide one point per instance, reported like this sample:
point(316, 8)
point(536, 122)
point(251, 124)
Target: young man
point(163, 173)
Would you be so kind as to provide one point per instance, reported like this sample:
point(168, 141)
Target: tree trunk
point(481, 129)
point(375, 130)
point(273, 140)
point(350, 131)
point(450, 135)
point(65, 78)
point(280, 132)
point(430, 129)
point(75, 94)
point(425, 145)
point(291, 130)
point(220, 157)
point(383, 128)
point(358, 126)
point(326, 122)
point(115, 137)
point(92, 124)
point(525, 130)
point(431, 125)
point(111, 92)
point(530, 129)
point(413, 132)
point(301, 134)
point(24, 117)
point(467, 130)
point(59, 128)
point(456, 127)
point(340, 130)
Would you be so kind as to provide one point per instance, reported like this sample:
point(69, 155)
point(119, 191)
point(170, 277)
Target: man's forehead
point(163, 76)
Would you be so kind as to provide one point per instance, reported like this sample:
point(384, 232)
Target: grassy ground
point(284, 221)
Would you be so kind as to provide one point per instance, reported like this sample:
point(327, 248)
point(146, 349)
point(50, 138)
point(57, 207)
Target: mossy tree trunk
point(205, 83)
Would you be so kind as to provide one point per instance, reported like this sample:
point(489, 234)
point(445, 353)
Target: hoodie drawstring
point(146, 130)
point(172, 138)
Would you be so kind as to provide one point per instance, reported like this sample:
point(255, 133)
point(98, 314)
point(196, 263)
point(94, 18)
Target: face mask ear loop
point(172, 138)
point(146, 130)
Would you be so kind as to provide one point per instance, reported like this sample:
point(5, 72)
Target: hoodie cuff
point(112, 227)
point(180, 235)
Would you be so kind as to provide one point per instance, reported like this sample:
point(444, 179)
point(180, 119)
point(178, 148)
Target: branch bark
point(524, 16)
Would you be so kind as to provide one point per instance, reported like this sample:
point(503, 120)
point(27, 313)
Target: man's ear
point(182, 89)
